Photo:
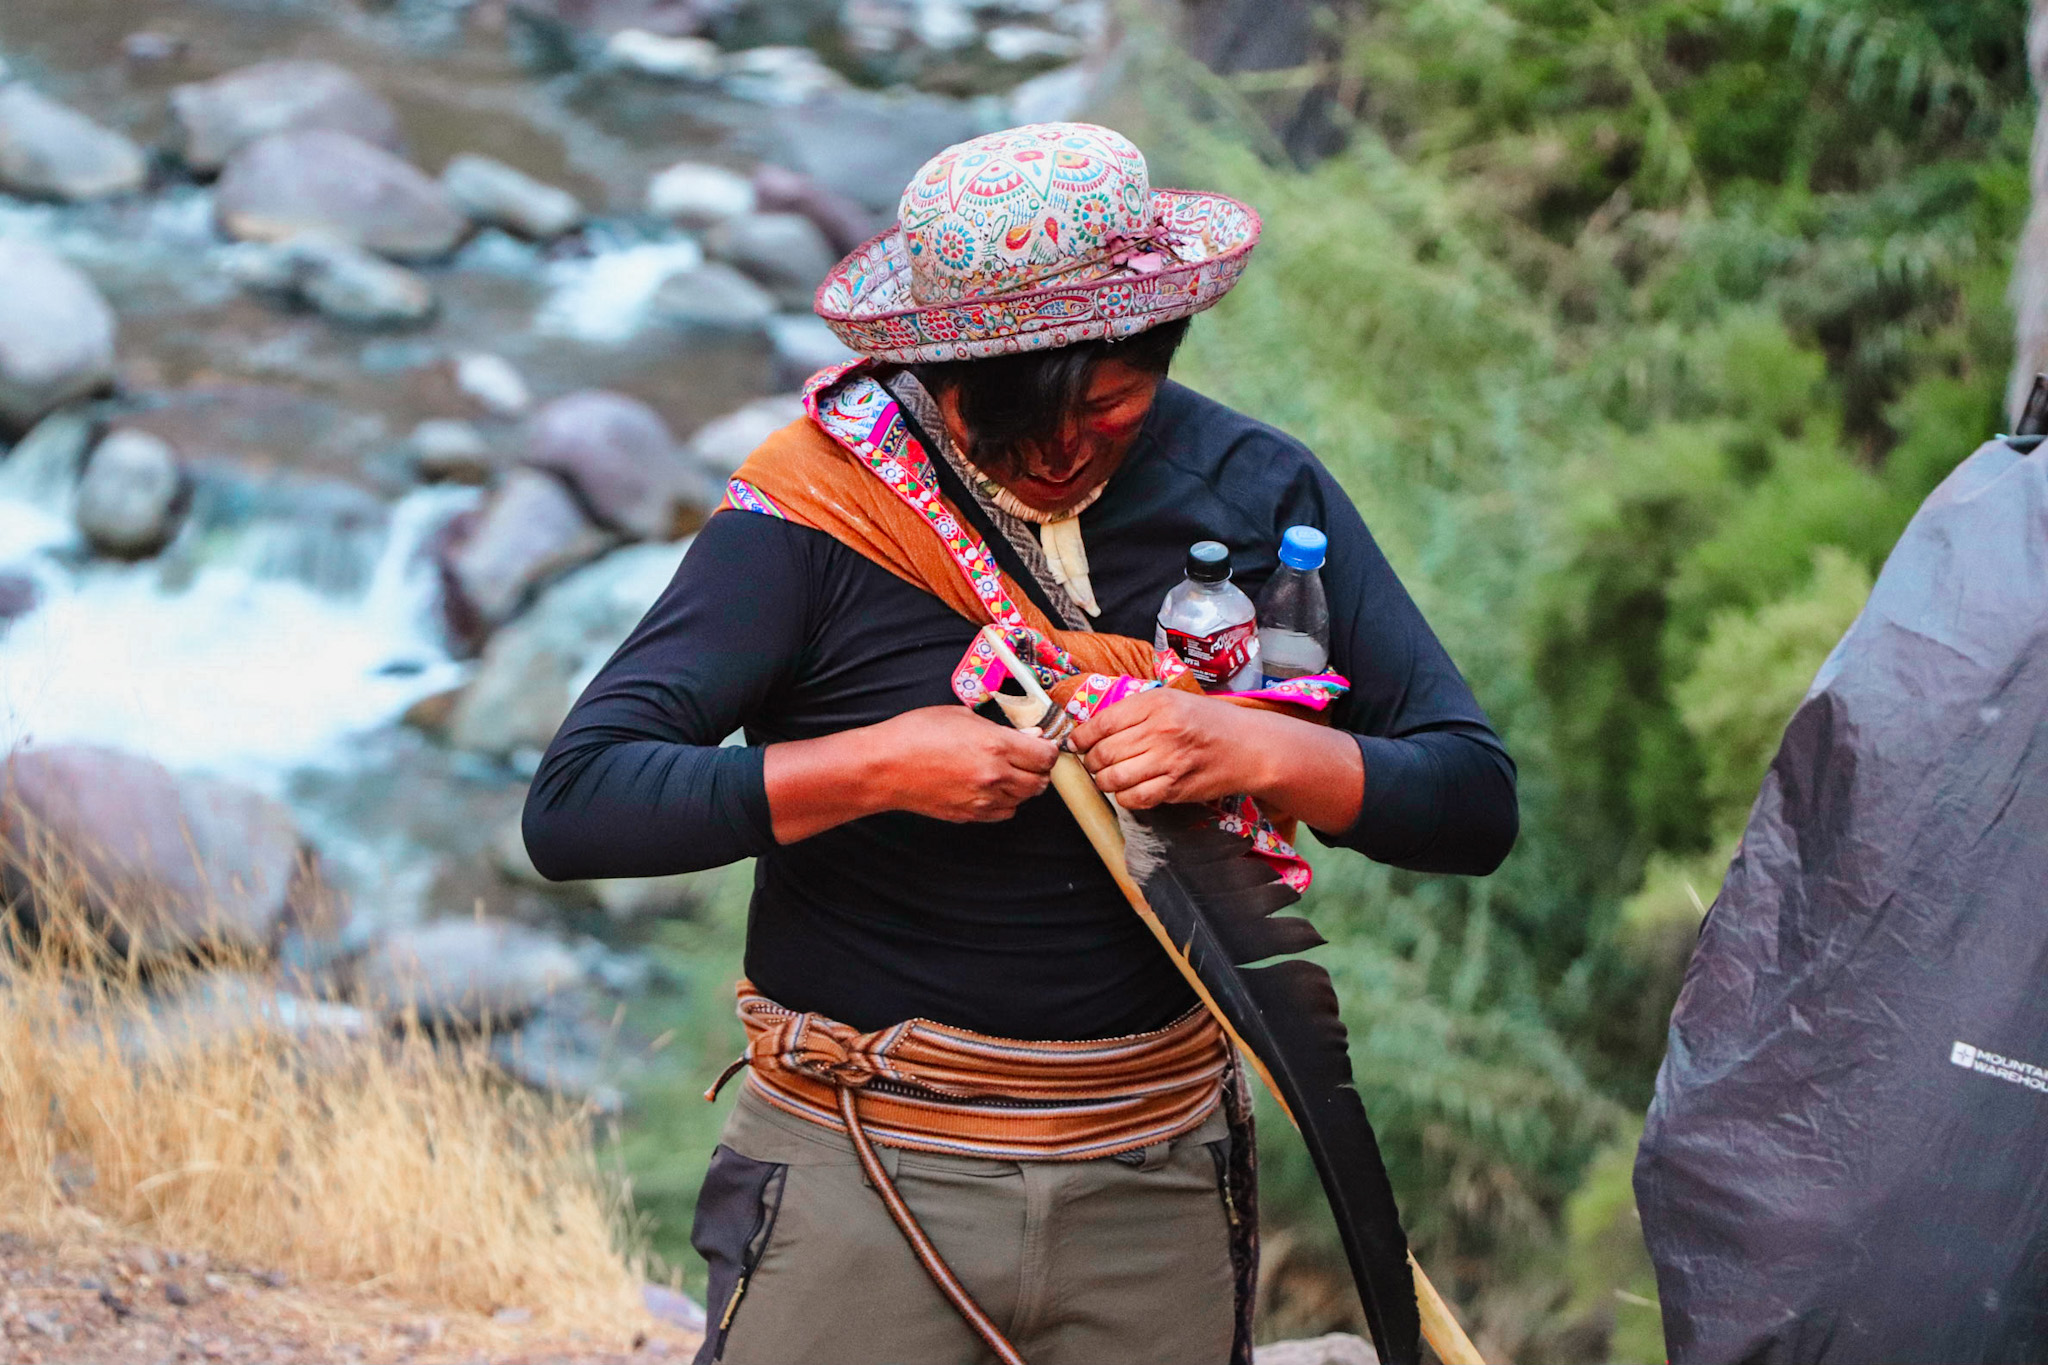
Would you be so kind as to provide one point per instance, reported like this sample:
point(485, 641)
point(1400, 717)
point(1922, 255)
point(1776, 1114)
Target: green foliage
point(1751, 674)
point(1638, 329)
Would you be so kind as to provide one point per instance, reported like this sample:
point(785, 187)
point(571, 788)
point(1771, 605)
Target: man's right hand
point(941, 761)
point(950, 764)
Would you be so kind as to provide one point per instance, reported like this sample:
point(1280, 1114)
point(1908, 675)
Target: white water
point(239, 672)
point(603, 299)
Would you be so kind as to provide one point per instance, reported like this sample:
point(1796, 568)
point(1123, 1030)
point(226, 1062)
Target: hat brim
point(868, 304)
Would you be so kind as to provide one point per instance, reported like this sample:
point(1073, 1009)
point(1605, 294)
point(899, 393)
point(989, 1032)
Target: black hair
point(1011, 401)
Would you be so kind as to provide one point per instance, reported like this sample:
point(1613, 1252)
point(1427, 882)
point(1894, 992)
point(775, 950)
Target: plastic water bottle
point(1294, 616)
point(1209, 622)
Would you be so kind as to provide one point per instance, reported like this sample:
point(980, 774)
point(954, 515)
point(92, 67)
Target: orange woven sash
point(931, 1088)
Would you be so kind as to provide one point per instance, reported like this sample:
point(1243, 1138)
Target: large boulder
point(217, 118)
point(166, 863)
point(464, 971)
point(50, 151)
point(131, 494)
point(56, 334)
point(721, 444)
point(498, 195)
point(530, 531)
point(533, 669)
point(786, 252)
point(623, 463)
point(335, 185)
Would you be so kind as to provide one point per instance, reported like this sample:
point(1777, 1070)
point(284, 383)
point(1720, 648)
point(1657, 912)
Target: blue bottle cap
point(1303, 547)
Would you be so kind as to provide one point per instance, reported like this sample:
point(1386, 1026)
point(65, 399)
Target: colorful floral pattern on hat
point(1014, 209)
point(1033, 238)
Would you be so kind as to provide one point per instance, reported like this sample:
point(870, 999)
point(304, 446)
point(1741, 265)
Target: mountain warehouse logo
point(2003, 1068)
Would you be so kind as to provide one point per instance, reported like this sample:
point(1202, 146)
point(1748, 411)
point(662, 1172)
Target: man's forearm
point(818, 784)
point(1311, 772)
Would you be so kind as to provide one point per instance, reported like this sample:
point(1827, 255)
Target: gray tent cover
point(1847, 1156)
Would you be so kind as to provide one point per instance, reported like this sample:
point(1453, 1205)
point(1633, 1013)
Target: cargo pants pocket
point(736, 1211)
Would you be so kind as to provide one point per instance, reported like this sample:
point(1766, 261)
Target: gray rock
point(562, 1050)
point(621, 898)
point(129, 499)
point(780, 75)
point(846, 224)
point(222, 1005)
point(1338, 1348)
point(50, 151)
point(866, 144)
point(721, 445)
point(530, 531)
point(341, 280)
point(56, 334)
point(493, 384)
point(712, 298)
point(803, 345)
point(667, 18)
point(784, 251)
point(448, 450)
point(672, 1306)
point(164, 862)
point(622, 461)
point(1055, 96)
point(336, 185)
point(217, 118)
point(466, 970)
point(664, 58)
point(499, 195)
point(698, 195)
point(533, 669)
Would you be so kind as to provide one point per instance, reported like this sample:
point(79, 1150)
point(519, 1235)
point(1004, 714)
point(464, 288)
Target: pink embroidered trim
point(741, 496)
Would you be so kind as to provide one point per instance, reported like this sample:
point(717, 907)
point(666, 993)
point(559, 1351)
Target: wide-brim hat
point(1032, 238)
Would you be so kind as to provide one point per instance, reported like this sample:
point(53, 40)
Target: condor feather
point(1215, 904)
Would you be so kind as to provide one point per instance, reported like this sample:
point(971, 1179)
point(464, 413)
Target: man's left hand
point(1167, 745)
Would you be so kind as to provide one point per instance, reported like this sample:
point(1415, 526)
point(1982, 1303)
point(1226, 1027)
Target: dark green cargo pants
point(1120, 1261)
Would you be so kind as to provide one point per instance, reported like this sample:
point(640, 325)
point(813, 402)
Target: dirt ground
point(142, 1305)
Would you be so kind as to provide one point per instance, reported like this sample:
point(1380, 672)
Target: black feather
point(1216, 903)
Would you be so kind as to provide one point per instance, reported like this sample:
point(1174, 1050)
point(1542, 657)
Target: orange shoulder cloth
point(812, 480)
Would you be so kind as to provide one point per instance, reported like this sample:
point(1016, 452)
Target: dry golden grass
point(372, 1158)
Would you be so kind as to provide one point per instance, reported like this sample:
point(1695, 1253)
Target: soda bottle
point(1294, 616)
point(1209, 622)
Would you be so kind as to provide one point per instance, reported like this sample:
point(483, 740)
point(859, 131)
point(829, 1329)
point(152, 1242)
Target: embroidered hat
point(1031, 238)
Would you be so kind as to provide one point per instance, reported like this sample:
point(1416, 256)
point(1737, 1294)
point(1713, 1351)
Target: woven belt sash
point(926, 1087)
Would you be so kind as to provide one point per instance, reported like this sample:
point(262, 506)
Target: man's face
point(1054, 476)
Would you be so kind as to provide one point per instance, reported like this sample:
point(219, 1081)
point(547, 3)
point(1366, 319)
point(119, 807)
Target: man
point(985, 1119)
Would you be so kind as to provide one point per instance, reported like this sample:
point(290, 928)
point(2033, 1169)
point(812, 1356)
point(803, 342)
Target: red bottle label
point(1216, 659)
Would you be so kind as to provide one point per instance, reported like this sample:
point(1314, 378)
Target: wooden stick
point(1070, 777)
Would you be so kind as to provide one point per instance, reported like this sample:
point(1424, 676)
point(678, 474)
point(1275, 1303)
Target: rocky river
point(364, 368)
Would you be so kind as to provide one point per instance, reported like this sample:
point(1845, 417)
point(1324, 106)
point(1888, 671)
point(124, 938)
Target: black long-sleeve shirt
point(1013, 929)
